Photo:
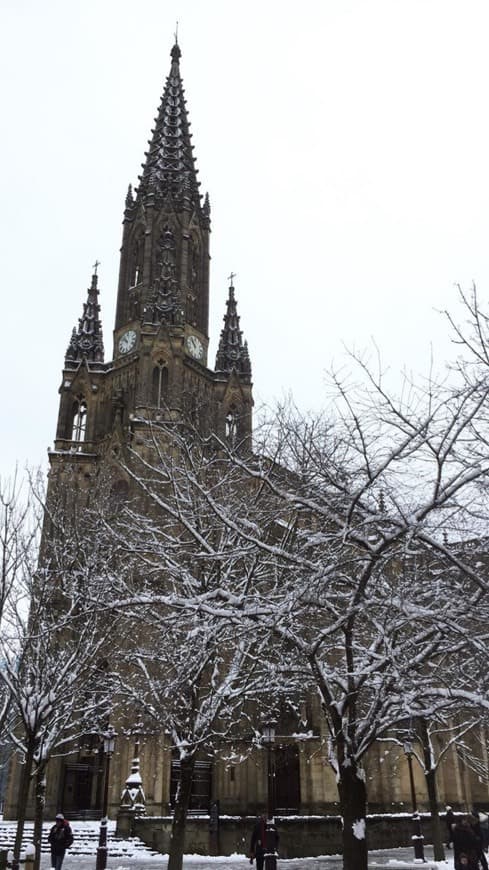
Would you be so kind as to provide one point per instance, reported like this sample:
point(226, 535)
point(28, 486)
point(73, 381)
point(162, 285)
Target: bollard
point(26, 859)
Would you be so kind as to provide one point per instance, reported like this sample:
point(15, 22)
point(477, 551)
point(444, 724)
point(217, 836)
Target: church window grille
point(79, 427)
point(232, 426)
point(137, 263)
point(193, 264)
point(192, 309)
point(160, 384)
point(200, 797)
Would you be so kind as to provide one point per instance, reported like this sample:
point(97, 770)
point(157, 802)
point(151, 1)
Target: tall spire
point(169, 170)
point(87, 341)
point(232, 353)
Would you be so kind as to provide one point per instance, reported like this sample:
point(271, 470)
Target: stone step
point(85, 842)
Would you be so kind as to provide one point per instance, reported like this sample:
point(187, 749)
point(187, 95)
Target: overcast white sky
point(344, 145)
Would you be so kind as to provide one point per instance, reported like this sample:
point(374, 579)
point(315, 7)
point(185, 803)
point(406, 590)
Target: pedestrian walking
point(466, 846)
point(475, 824)
point(60, 839)
point(259, 845)
point(484, 823)
point(258, 842)
point(450, 820)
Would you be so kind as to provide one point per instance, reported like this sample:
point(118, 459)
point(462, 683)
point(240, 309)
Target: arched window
point(232, 426)
point(79, 427)
point(192, 308)
point(160, 384)
point(137, 262)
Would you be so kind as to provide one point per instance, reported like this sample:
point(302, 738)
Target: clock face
point(127, 341)
point(195, 347)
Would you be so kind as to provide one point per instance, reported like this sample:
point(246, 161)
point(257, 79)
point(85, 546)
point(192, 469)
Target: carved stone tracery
point(165, 282)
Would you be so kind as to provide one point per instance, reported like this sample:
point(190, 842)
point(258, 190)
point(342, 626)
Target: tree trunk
point(438, 850)
point(182, 802)
point(22, 804)
point(39, 817)
point(353, 805)
point(430, 776)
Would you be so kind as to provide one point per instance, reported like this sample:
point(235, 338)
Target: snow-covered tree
point(357, 523)
point(52, 647)
point(207, 679)
point(371, 594)
point(352, 542)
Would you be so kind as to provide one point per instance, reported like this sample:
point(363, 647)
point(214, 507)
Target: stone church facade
point(160, 364)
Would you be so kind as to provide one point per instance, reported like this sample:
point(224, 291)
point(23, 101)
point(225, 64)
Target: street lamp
point(417, 836)
point(271, 834)
point(109, 743)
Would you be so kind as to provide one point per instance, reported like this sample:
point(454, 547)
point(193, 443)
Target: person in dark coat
point(484, 823)
point(258, 845)
point(466, 846)
point(60, 839)
point(258, 842)
point(450, 820)
point(475, 824)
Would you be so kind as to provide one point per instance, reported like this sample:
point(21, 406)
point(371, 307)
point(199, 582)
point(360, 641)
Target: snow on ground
point(128, 855)
point(395, 859)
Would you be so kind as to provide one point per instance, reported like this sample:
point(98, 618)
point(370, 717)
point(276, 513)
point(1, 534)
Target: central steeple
point(159, 367)
point(169, 171)
point(165, 248)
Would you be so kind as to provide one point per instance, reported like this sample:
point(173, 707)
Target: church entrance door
point(78, 790)
point(287, 779)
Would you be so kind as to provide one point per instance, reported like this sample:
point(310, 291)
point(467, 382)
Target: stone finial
point(133, 798)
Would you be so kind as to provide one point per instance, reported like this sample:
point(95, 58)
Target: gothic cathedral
point(159, 367)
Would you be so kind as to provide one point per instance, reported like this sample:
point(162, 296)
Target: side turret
point(233, 378)
point(86, 341)
point(232, 353)
point(80, 419)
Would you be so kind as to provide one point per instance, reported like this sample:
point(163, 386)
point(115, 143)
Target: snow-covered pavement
point(130, 854)
point(393, 859)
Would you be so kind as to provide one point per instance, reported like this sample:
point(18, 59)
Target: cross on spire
point(231, 277)
point(95, 266)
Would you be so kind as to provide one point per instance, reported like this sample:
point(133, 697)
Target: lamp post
point(271, 834)
point(417, 836)
point(109, 743)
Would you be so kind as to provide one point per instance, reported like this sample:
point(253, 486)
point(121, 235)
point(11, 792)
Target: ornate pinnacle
point(133, 798)
point(87, 341)
point(206, 211)
point(175, 55)
point(232, 354)
point(169, 169)
point(129, 197)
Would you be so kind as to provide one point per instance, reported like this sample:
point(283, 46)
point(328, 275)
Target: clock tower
point(159, 371)
point(159, 368)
